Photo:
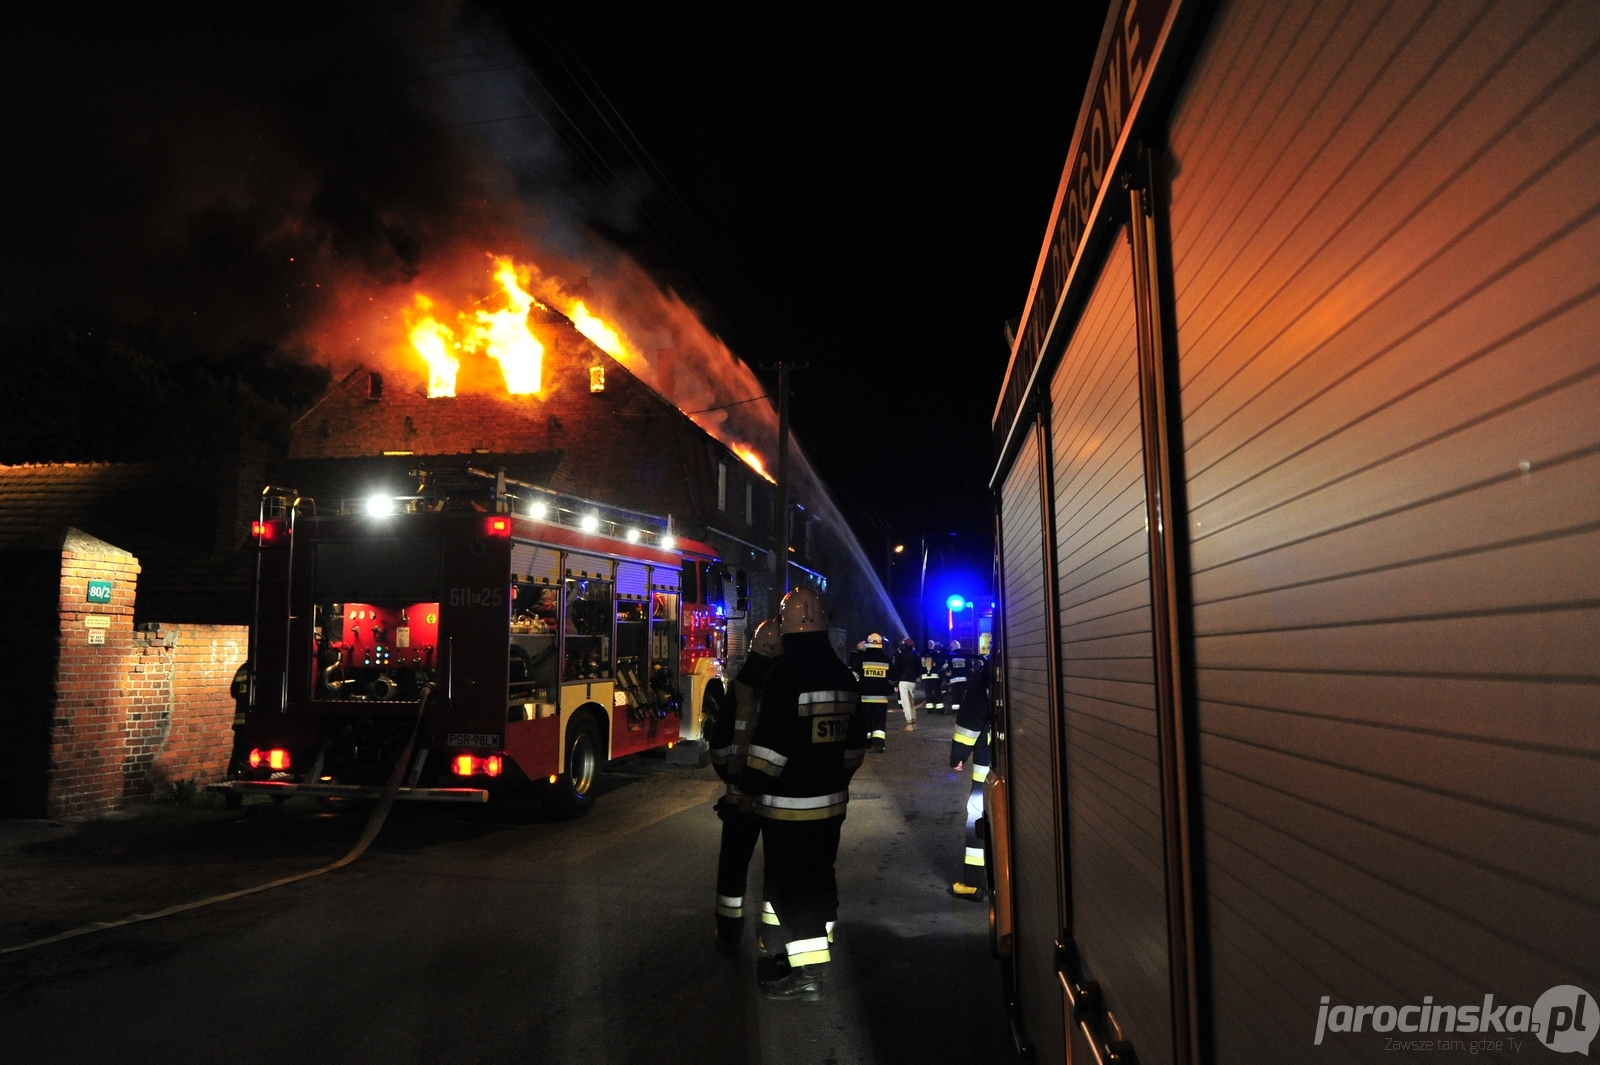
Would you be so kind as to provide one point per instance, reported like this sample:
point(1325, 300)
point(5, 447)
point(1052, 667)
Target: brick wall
point(90, 718)
point(200, 660)
point(144, 708)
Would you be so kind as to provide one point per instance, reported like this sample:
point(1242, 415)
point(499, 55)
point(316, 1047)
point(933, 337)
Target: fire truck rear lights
point(554, 777)
point(470, 765)
point(499, 526)
point(380, 506)
point(275, 758)
point(266, 532)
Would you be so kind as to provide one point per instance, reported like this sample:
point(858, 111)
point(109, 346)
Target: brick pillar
point(89, 718)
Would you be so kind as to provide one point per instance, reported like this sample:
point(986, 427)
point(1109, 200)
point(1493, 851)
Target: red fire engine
point(537, 635)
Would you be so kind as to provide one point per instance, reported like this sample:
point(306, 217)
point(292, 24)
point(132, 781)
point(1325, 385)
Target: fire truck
point(515, 639)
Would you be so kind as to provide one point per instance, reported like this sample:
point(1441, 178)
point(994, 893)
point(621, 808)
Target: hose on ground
point(380, 813)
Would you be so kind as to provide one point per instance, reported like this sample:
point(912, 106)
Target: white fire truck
point(524, 636)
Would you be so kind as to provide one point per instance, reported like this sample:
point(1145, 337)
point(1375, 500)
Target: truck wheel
point(573, 792)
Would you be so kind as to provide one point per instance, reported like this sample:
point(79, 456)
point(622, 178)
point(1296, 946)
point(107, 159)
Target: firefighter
point(871, 667)
point(971, 744)
point(904, 671)
point(932, 675)
point(956, 664)
point(730, 744)
point(810, 738)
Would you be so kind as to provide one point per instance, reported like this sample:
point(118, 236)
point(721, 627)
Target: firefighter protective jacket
point(730, 737)
point(972, 721)
point(872, 666)
point(810, 735)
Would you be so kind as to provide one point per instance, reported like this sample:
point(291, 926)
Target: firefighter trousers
point(973, 871)
point(800, 883)
point(877, 711)
point(740, 831)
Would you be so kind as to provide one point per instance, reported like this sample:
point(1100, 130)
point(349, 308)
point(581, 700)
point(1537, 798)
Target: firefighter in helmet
point(730, 745)
point(871, 667)
point(956, 665)
point(974, 731)
point(933, 678)
point(810, 738)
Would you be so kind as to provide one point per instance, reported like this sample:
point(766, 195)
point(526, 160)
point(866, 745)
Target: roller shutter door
point(541, 565)
point(1112, 779)
point(631, 580)
point(588, 566)
point(1386, 246)
point(1033, 802)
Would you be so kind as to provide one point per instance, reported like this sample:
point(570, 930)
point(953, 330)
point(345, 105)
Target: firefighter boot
point(729, 931)
point(771, 967)
point(802, 983)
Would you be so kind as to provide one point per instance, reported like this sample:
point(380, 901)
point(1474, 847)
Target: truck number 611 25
point(477, 597)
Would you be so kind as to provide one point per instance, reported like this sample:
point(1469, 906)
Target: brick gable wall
point(145, 708)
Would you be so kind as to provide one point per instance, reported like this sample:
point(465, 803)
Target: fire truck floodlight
point(539, 510)
point(633, 536)
point(668, 543)
point(380, 506)
point(591, 523)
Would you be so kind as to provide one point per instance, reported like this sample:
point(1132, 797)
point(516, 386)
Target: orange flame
point(433, 340)
point(503, 335)
point(751, 459)
point(599, 333)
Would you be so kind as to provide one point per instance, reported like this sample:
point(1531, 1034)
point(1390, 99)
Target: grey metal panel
point(1033, 814)
point(588, 566)
point(541, 565)
point(663, 579)
point(631, 580)
point(1113, 785)
point(1386, 247)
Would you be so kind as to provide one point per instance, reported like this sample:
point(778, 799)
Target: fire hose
point(380, 814)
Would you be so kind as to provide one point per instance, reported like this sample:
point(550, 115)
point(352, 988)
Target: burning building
point(509, 382)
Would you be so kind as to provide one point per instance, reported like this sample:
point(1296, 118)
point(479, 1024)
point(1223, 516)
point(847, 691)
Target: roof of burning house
point(626, 445)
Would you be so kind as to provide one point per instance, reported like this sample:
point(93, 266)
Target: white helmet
point(875, 640)
point(802, 611)
point(955, 645)
point(767, 639)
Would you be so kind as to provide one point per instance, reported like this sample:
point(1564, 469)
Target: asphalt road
point(478, 936)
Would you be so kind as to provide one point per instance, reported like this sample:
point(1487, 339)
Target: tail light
point(499, 525)
point(275, 758)
point(470, 765)
point(268, 532)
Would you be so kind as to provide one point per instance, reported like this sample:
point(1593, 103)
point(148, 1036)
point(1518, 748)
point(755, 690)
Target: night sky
point(862, 191)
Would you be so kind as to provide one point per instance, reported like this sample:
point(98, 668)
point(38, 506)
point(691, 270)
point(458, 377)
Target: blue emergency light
point(956, 602)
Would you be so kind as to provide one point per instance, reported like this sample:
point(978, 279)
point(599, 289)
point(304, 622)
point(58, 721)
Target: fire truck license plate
point(471, 739)
point(829, 729)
